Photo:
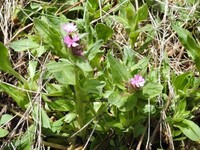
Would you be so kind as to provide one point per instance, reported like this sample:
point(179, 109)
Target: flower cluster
point(71, 39)
point(137, 81)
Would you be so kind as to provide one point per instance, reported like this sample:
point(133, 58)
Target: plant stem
point(18, 76)
point(79, 97)
point(80, 106)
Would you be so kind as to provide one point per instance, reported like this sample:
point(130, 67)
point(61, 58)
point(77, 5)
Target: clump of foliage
point(101, 75)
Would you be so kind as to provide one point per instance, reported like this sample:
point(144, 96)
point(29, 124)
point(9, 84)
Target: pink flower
point(71, 41)
point(69, 27)
point(138, 81)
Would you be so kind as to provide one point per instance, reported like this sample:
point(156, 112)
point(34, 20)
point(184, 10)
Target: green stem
point(18, 76)
point(80, 106)
point(79, 97)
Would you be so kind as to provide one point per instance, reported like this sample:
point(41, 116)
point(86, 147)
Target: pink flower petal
point(137, 81)
point(71, 41)
point(69, 27)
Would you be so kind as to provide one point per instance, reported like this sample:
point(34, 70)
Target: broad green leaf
point(61, 105)
point(133, 36)
point(187, 41)
point(99, 107)
point(182, 82)
point(5, 64)
point(94, 49)
point(192, 47)
point(94, 4)
point(17, 95)
point(51, 37)
point(56, 89)
point(142, 13)
point(130, 14)
point(39, 111)
point(122, 20)
point(5, 118)
point(32, 68)
point(190, 129)
point(57, 125)
point(118, 70)
point(152, 90)
point(35, 5)
point(128, 56)
point(25, 142)
point(103, 32)
point(141, 64)
point(63, 71)
point(116, 125)
point(181, 105)
point(3, 132)
point(149, 109)
point(125, 102)
point(24, 44)
point(70, 117)
point(41, 50)
point(93, 86)
point(84, 65)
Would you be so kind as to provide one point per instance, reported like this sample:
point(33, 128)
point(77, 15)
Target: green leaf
point(152, 90)
point(190, 129)
point(93, 86)
point(133, 36)
point(125, 102)
point(182, 82)
point(5, 118)
point(63, 71)
point(24, 44)
point(94, 4)
point(41, 50)
point(189, 43)
point(103, 32)
point(142, 13)
point(57, 125)
point(94, 49)
point(70, 117)
point(118, 70)
point(149, 109)
point(128, 56)
point(141, 64)
point(18, 96)
point(5, 64)
point(51, 37)
point(84, 65)
point(38, 111)
point(25, 142)
point(130, 14)
point(61, 105)
point(32, 68)
point(3, 132)
point(122, 20)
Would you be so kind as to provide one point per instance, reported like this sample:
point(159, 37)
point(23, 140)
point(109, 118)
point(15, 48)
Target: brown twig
point(3, 110)
point(15, 112)
point(18, 32)
point(54, 145)
point(159, 122)
point(141, 139)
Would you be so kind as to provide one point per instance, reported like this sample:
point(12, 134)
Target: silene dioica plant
point(101, 77)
